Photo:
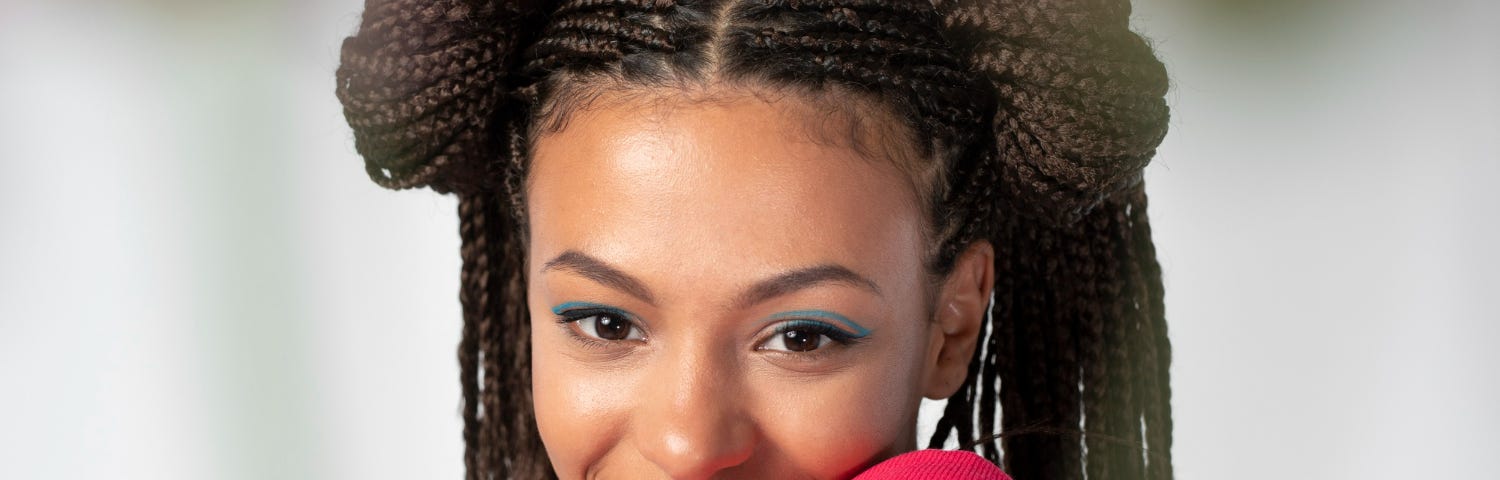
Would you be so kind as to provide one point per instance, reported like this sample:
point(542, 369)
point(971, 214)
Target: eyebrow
point(599, 271)
point(781, 284)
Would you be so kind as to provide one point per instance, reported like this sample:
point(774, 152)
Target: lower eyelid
point(578, 337)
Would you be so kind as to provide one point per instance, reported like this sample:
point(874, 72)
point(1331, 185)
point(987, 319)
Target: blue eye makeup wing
point(563, 307)
point(856, 330)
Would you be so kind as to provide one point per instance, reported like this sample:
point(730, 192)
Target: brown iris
point(801, 340)
point(611, 327)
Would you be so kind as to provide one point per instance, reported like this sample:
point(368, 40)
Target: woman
point(744, 238)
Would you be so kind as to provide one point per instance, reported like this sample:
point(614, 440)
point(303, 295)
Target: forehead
point(735, 187)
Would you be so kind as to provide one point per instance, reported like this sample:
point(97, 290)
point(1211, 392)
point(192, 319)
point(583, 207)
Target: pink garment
point(934, 464)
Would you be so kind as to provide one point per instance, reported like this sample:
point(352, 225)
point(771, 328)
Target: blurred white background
point(198, 281)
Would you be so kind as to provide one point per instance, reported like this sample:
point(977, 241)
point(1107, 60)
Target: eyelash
point(566, 317)
point(836, 334)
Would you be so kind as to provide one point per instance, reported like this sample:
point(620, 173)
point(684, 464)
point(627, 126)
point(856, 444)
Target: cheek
point(833, 427)
point(578, 409)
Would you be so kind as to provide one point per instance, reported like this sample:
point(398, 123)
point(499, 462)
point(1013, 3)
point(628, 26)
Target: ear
point(961, 307)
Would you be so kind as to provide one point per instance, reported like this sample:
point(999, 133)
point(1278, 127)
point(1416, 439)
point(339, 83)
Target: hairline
point(885, 140)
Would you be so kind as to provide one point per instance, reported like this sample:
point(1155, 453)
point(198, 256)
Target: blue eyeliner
point(563, 307)
point(859, 330)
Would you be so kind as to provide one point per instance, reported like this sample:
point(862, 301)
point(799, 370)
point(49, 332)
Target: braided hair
point(1034, 120)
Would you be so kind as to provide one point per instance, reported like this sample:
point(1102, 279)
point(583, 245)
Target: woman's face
point(715, 294)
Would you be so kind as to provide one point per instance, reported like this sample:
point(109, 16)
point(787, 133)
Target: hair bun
point(1081, 97)
point(420, 82)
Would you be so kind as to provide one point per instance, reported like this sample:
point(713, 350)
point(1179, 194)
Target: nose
point(691, 422)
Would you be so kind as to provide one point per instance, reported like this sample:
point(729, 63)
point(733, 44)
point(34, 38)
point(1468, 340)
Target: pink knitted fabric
point(934, 464)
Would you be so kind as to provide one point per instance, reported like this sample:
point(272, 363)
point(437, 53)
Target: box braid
point(423, 85)
point(1036, 120)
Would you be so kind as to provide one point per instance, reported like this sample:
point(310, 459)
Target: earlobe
point(962, 308)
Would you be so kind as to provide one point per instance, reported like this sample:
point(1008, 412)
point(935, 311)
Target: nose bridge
point(691, 421)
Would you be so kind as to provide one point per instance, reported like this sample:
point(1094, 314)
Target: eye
point(805, 336)
point(608, 326)
point(796, 340)
point(596, 322)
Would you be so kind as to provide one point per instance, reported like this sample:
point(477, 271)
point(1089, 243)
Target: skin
point(670, 213)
